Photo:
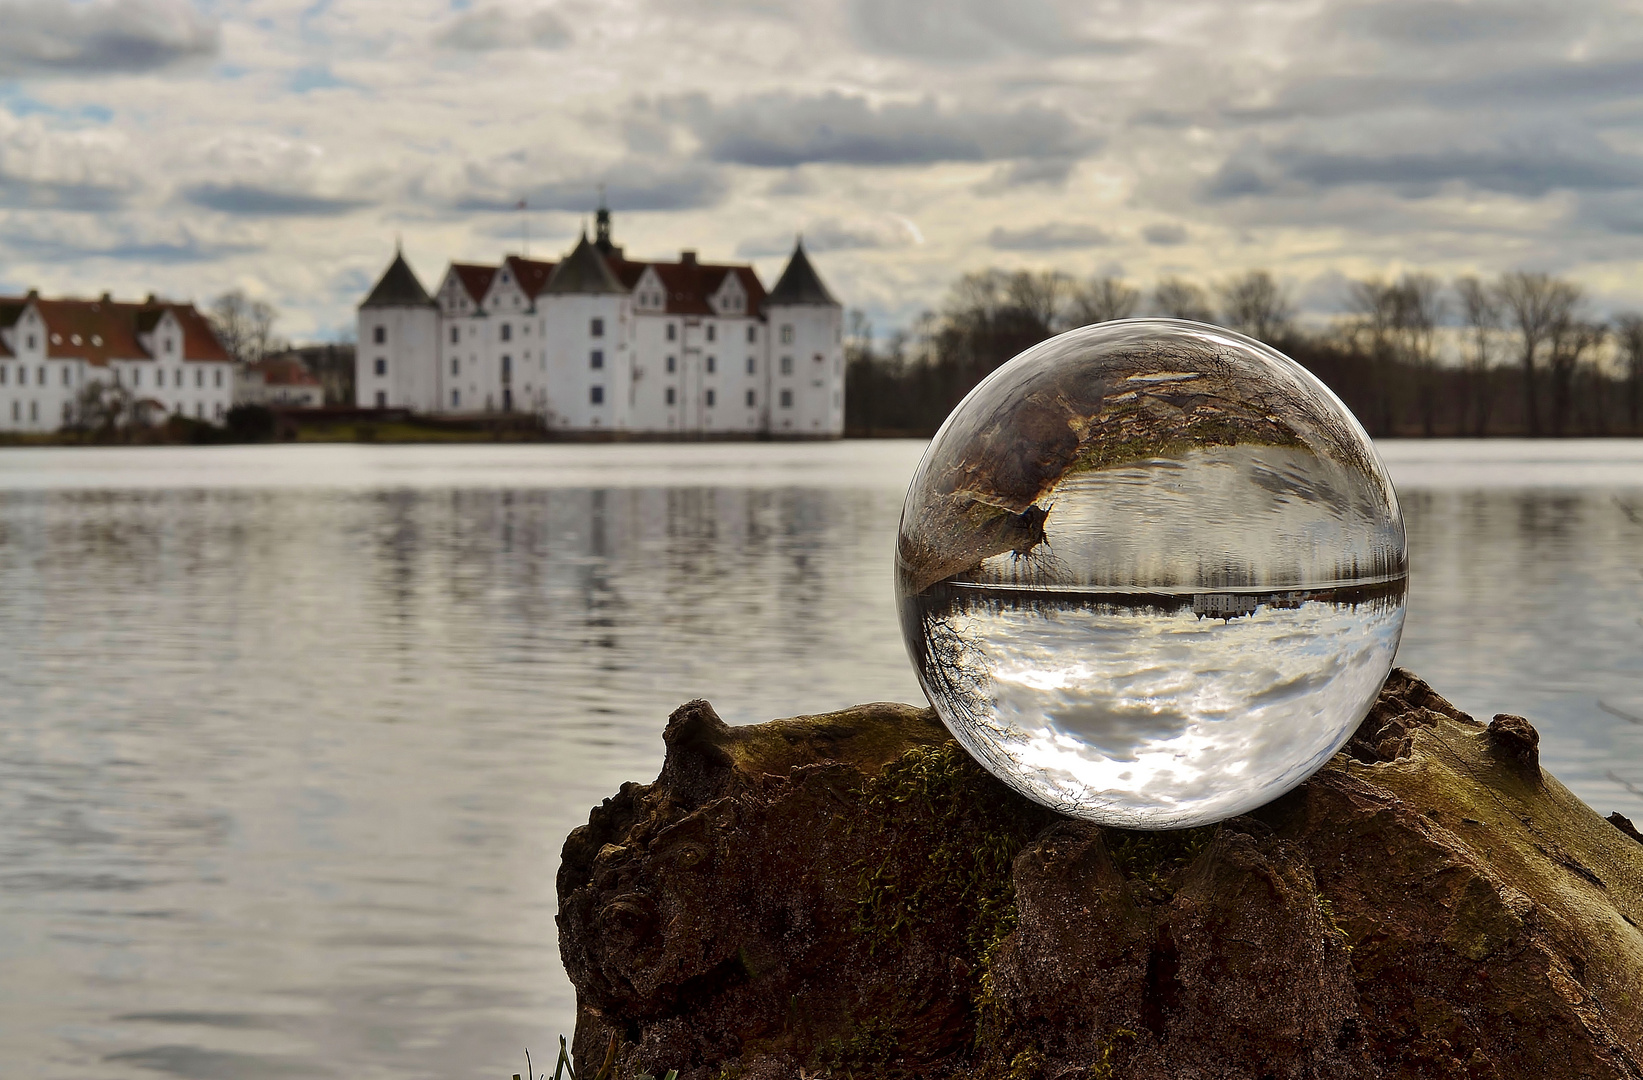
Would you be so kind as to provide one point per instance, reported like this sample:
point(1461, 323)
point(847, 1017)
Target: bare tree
point(1102, 299)
point(1420, 307)
point(1255, 304)
point(244, 326)
point(1628, 332)
point(1176, 298)
point(1373, 333)
point(1571, 339)
point(102, 408)
point(1535, 303)
point(1480, 308)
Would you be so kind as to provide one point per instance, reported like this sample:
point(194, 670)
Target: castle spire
point(601, 235)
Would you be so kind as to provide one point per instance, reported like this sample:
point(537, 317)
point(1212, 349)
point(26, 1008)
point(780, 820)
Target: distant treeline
point(1519, 355)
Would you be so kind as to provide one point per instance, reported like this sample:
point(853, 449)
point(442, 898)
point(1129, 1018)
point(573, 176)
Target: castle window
point(382, 366)
point(159, 376)
point(711, 330)
point(671, 397)
point(199, 377)
point(750, 399)
point(752, 366)
point(507, 332)
point(787, 334)
point(710, 399)
point(456, 365)
point(787, 399)
point(23, 375)
point(4, 371)
point(507, 368)
point(456, 334)
point(752, 334)
point(712, 364)
point(456, 399)
point(787, 365)
point(596, 328)
point(382, 399)
point(672, 332)
point(219, 378)
point(820, 358)
point(169, 345)
point(31, 341)
point(379, 335)
point(672, 365)
point(596, 395)
point(596, 359)
point(136, 376)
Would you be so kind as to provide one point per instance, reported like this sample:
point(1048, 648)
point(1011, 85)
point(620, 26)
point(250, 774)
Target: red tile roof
point(532, 274)
point(689, 285)
point(283, 371)
point(98, 331)
point(476, 279)
point(199, 340)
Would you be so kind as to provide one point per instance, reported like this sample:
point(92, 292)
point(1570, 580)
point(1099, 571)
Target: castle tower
point(587, 342)
point(396, 363)
point(806, 327)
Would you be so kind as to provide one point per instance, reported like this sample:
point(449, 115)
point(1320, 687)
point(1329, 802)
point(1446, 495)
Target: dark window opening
point(379, 335)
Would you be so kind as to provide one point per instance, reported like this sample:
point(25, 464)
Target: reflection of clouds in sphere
point(1151, 573)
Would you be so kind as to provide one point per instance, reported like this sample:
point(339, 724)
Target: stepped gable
point(200, 341)
point(584, 271)
point(688, 283)
point(11, 309)
point(398, 287)
point(531, 274)
point(800, 284)
point(475, 278)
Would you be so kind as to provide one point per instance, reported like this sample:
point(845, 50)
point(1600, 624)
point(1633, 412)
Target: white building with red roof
point(601, 342)
point(164, 354)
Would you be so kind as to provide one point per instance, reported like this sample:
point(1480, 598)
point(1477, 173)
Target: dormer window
point(169, 346)
point(32, 342)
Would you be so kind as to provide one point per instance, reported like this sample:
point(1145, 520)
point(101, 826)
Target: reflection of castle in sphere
point(1151, 573)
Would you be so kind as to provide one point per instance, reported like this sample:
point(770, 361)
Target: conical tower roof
point(799, 283)
point(584, 271)
point(398, 287)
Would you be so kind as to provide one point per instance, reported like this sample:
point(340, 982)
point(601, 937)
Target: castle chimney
point(688, 258)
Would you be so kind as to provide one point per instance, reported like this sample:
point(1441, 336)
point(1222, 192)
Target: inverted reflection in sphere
point(1151, 573)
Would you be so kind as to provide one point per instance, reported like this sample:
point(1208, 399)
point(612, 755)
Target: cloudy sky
point(280, 146)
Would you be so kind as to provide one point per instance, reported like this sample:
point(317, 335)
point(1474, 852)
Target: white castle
point(599, 342)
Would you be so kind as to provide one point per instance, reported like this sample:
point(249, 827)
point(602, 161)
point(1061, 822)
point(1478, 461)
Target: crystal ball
point(1151, 573)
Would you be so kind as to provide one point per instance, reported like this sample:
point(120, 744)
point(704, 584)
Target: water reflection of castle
point(601, 342)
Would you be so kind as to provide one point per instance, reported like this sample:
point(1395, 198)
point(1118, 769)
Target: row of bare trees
point(1387, 356)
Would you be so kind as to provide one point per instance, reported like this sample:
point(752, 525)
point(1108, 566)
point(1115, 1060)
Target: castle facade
point(598, 342)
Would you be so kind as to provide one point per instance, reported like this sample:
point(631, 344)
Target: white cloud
point(102, 37)
point(282, 144)
point(491, 28)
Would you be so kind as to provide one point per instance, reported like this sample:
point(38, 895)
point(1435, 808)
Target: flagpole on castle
point(525, 225)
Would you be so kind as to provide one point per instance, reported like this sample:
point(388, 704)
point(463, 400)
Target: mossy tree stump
point(850, 895)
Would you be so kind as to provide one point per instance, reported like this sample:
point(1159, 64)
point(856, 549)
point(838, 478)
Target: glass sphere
point(1151, 573)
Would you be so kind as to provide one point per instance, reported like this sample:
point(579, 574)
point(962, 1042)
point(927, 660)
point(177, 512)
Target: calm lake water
point(290, 736)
